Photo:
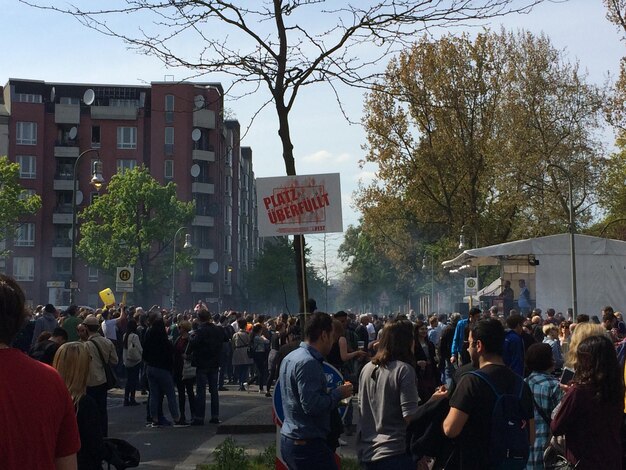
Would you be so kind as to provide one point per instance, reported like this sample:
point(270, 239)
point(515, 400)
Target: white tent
point(546, 263)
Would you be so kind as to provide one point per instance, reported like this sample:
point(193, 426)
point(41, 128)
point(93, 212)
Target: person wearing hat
point(46, 322)
point(37, 415)
point(99, 348)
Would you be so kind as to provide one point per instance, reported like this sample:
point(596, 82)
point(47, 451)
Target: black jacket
point(206, 346)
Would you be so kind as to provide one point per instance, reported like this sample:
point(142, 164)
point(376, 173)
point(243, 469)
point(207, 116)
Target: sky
point(55, 48)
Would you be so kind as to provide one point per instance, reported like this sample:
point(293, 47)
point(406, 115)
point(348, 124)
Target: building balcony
point(62, 218)
point(204, 118)
point(203, 188)
point(63, 151)
point(206, 287)
point(205, 253)
point(67, 113)
point(114, 112)
point(202, 221)
point(62, 184)
point(61, 251)
point(203, 155)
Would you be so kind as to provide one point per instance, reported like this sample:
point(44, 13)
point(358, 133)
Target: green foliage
point(230, 456)
point(463, 132)
point(13, 202)
point(133, 224)
point(271, 282)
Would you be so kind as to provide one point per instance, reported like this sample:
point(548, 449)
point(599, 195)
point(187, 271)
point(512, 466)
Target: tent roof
point(550, 245)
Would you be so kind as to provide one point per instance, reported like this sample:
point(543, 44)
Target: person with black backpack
point(491, 409)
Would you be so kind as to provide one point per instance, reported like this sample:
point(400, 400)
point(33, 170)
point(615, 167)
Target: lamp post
point(462, 246)
point(432, 278)
point(97, 181)
point(572, 232)
point(185, 246)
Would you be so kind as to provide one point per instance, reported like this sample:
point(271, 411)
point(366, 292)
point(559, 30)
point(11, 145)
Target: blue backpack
point(509, 444)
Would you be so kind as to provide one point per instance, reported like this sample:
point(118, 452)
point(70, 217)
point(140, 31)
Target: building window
point(124, 165)
point(228, 185)
point(227, 244)
point(28, 166)
point(228, 269)
point(95, 137)
point(118, 103)
point(93, 274)
point(26, 133)
point(169, 169)
point(27, 98)
point(169, 140)
point(126, 137)
point(69, 100)
point(62, 267)
point(25, 235)
point(26, 193)
point(23, 268)
point(169, 108)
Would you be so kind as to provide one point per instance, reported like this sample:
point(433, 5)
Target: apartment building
point(176, 129)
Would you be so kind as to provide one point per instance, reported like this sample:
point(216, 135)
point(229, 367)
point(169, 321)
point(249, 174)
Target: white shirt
point(371, 331)
point(109, 329)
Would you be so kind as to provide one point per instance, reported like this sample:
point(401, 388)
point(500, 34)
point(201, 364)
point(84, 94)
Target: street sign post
point(125, 279)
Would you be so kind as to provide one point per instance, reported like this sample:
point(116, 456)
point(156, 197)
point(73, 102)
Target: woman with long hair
point(184, 373)
point(260, 345)
point(241, 360)
point(593, 406)
point(72, 362)
point(387, 400)
point(132, 353)
point(428, 377)
point(581, 332)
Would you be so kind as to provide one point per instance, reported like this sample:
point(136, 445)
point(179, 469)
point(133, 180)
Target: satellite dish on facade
point(195, 170)
point(89, 97)
point(196, 134)
point(198, 101)
point(214, 267)
point(79, 197)
point(72, 133)
point(53, 95)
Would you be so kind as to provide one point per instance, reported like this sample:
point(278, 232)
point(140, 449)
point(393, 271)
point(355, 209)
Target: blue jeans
point(132, 380)
point(396, 462)
point(160, 382)
point(241, 373)
point(204, 377)
point(313, 455)
point(260, 360)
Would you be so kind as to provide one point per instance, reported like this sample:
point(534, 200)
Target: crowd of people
point(431, 392)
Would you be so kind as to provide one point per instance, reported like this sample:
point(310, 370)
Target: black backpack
point(509, 445)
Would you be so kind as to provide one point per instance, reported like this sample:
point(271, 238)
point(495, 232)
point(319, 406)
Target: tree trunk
point(290, 166)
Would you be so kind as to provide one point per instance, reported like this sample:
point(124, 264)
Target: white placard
point(125, 279)
point(471, 285)
point(294, 205)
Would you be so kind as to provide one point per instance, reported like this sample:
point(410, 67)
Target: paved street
point(243, 415)
point(168, 447)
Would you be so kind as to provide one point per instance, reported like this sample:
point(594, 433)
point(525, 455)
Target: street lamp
point(185, 246)
point(572, 232)
point(432, 278)
point(96, 181)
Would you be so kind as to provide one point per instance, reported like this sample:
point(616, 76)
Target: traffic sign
point(125, 279)
point(471, 286)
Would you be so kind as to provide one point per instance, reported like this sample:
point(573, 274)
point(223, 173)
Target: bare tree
point(283, 45)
